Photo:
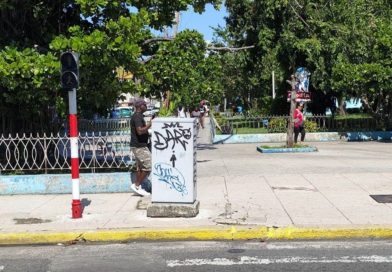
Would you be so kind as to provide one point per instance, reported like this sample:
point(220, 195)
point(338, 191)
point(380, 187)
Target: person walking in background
point(196, 114)
point(139, 146)
point(299, 123)
point(207, 108)
point(217, 108)
point(181, 111)
point(203, 113)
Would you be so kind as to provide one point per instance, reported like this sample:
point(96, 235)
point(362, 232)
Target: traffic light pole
point(73, 133)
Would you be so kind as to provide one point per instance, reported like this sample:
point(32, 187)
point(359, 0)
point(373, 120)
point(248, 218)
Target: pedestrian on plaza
point(299, 123)
point(139, 146)
point(203, 113)
point(196, 114)
point(207, 108)
point(181, 113)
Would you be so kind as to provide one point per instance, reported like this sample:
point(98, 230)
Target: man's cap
point(139, 102)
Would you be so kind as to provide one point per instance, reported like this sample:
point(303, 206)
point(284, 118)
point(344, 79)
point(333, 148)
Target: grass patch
point(283, 146)
point(353, 116)
point(250, 130)
point(246, 131)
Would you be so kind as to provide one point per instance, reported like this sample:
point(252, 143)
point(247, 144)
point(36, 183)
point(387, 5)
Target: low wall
point(310, 137)
point(119, 182)
point(275, 138)
point(369, 136)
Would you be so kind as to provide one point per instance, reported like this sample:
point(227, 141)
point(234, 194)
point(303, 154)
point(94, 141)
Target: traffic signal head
point(69, 70)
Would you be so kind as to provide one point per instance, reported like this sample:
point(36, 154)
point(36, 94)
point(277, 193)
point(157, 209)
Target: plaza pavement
point(243, 194)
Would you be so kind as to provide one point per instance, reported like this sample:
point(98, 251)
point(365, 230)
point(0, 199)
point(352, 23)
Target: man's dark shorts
point(143, 158)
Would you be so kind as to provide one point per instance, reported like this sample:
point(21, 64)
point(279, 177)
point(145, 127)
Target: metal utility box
point(173, 175)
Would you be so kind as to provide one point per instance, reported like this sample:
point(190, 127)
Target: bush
point(280, 125)
point(310, 126)
point(277, 125)
point(167, 112)
point(219, 119)
point(164, 112)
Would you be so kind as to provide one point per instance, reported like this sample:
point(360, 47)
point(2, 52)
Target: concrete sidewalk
point(243, 194)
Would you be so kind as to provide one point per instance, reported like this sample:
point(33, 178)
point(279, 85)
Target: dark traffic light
point(69, 70)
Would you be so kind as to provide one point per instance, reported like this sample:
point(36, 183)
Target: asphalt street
point(344, 255)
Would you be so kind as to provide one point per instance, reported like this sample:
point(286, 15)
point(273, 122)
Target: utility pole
point(273, 84)
point(177, 18)
point(290, 128)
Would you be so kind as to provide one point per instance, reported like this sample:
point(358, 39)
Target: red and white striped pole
point(73, 133)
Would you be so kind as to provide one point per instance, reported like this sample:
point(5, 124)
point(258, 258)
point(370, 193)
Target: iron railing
point(118, 124)
point(265, 124)
point(44, 153)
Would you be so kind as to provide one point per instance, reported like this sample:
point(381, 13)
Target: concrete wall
point(310, 137)
point(369, 136)
point(61, 184)
point(276, 138)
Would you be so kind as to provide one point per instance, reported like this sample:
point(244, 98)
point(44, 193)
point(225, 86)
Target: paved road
point(202, 256)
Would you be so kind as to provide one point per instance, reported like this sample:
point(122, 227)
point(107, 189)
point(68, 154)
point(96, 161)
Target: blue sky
point(202, 22)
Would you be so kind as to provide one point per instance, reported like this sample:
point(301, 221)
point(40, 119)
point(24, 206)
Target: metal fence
point(44, 153)
point(270, 123)
point(118, 124)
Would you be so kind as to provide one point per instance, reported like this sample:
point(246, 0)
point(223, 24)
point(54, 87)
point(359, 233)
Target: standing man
point(139, 146)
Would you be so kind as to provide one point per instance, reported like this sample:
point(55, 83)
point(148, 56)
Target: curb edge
point(233, 233)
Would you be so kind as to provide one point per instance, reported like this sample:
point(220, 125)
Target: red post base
point(76, 208)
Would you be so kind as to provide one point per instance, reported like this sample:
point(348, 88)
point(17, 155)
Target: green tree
point(107, 34)
point(331, 38)
point(182, 67)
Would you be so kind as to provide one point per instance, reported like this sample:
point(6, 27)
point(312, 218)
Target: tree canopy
point(345, 45)
point(106, 34)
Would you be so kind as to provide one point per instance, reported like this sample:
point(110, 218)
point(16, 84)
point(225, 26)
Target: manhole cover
point(382, 198)
point(30, 221)
point(295, 189)
point(236, 250)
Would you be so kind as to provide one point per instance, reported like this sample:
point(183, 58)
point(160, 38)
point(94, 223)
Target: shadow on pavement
point(205, 147)
point(203, 161)
point(85, 202)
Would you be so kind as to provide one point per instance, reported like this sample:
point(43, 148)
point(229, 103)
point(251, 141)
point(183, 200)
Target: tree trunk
point(167, 100)
point(389, 127)
point(342, 106)
point(290, 127)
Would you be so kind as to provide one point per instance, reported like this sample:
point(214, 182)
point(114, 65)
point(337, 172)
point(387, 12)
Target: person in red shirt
point(299, 123)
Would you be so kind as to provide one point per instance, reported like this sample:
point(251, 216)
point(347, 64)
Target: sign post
point(70, 81)
point(173, 168)
point(73, 134)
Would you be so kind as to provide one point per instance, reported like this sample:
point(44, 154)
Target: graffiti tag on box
point(171, 176)
point(173, 134)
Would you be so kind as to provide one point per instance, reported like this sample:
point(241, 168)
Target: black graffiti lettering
point(186, 133)
point(172, 125)
point(176, 136)
point(160, 143)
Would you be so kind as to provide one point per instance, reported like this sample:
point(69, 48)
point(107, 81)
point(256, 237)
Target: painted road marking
point(2, 267)
point(257, 260)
